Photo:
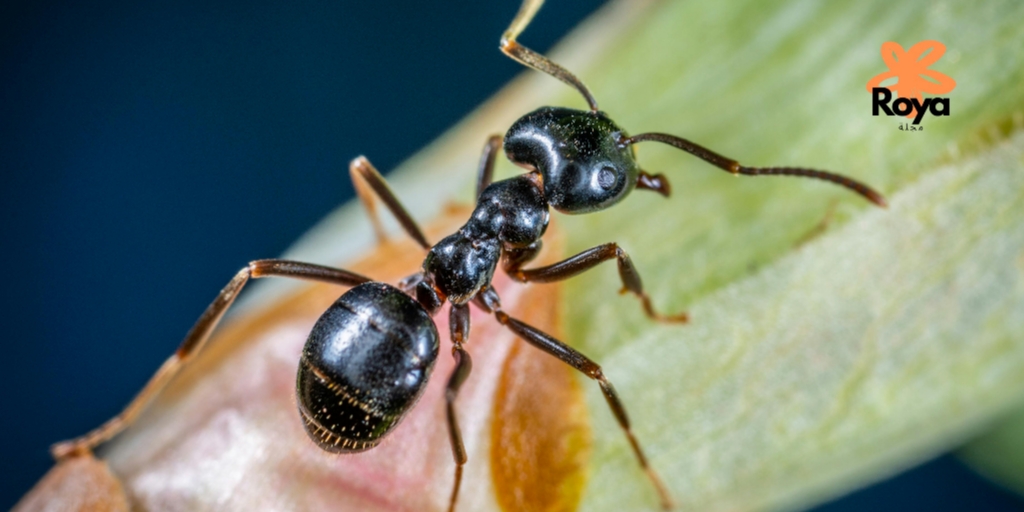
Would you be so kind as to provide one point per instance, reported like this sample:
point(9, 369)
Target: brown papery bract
point(540, 432)
point(79, 484)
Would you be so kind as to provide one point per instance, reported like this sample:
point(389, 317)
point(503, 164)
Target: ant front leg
point(589, 259)
point(580, 362)
point(458, 321)
point(485, 173)
point(368, 183)
point(196, 339)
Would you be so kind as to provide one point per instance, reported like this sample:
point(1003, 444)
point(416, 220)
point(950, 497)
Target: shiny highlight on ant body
point(369, 356)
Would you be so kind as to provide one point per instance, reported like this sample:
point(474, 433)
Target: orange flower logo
point(910, 68)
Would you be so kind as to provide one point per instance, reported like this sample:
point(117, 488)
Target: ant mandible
point(369, 356)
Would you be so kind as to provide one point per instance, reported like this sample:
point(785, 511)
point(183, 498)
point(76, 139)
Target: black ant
point(368, 358)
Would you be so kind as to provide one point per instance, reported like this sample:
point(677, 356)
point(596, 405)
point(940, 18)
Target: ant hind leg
point(580, 362)
point(196, 339)
point(459, 321)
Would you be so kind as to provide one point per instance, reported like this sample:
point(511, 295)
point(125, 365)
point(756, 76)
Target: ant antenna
point(735, 168)
point(532, 59)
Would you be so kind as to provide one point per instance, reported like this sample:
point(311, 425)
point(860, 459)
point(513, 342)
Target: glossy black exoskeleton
point(367, 361)
point(368, 358)
point(581, 156)
point(510, 215)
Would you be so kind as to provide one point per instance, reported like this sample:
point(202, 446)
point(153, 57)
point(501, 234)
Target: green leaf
point(999, 454)
point(813, 364)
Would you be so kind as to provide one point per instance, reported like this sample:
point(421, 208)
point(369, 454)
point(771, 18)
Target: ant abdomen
point(365, 364)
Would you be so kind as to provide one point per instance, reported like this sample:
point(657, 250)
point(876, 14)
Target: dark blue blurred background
point(151, 148)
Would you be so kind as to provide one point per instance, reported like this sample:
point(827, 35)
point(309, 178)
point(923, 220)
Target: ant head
point(581, 156)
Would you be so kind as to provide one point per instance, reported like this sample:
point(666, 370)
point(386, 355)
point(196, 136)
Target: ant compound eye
point(606, 178)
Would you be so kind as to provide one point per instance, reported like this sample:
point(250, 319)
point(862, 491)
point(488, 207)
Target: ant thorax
point(509, 214)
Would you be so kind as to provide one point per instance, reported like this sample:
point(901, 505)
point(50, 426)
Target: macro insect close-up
point(749, 360)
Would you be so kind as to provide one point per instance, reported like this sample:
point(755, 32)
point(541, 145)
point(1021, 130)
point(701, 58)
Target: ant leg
point(485, 174)
point(514, 258)
point(368, 183)
point(532, 59)
point(567, 354)
point(196, 339)
point(587, 260)
point(459, 321)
